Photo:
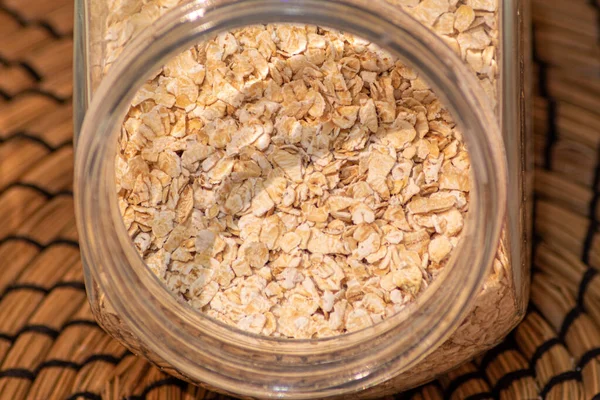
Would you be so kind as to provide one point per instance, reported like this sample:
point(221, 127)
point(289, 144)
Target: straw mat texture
point(50, 346)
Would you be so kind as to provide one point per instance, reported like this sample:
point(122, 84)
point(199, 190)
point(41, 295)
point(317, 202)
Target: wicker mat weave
point(50, 346)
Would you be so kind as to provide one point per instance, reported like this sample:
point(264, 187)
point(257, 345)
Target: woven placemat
point(50, 346)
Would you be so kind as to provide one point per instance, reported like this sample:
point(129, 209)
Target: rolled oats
point(294, 180)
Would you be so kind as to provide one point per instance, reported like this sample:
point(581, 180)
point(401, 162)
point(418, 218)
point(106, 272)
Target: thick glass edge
point(515, 120)
point(81, 82)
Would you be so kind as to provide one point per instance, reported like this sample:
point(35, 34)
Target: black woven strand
point(493, 353)
point(532, 308)
point(591, 232)
point(541, 350)
point(593, 207)
point(31, 137)
point(40, 246)
point(508, 379)
point(63, 364)
point(17, 373)
point(588, 357)
point(37, 328)
point(587, 277)
point(84, 395)
point(34, 90)
point(480, 396)
point(81, 322)
point(29, 287)
point(557, 380)
point(158, 384)
point(30, 70)
point(459, 381)
point(551, 133)
point(596, 5)
point(25, 23)
point(23, 373)
point(19, 238)
point(46, 193)
point(105, 358)
point(568, 321)
point(78, 285)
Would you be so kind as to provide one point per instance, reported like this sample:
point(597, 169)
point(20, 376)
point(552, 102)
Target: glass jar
point(477, 299)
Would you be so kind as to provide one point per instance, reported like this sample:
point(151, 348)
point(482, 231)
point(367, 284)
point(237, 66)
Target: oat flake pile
point(292, 180)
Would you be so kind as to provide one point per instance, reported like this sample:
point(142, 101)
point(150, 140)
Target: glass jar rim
point(342, 363)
